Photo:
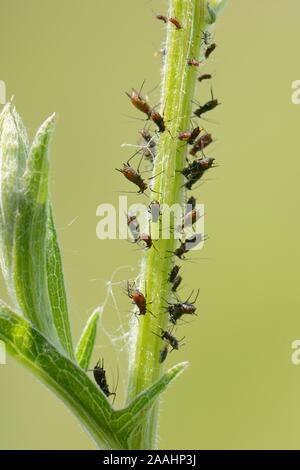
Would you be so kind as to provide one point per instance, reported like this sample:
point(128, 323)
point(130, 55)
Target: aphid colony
point(198, 140)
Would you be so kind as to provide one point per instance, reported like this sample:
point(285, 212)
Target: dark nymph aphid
point(100, 378)
point(200, 165)
point(188, 245)
point(206, 37)
point(173, 273)
point(178, 309)
point(204, 76)
point(210, 50)
point(194, 172)
point(170, 339)
point(174, 278)
point(162, 18)
point(208, 106)
point(176, 283)
point(148, 137)
point(163, 354)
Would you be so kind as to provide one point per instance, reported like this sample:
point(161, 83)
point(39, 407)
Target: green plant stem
point(178, 88)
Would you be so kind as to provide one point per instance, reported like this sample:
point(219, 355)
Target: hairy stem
point(178, 86)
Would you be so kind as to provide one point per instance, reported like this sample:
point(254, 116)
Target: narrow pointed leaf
point(13, 154)
point(31, 236)
point(61, 375)
point(87, 341)
point(56, 288)
point(126, 421)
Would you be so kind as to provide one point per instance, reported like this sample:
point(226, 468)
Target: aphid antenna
point(153, 89)
point(135, 118)
point(135, 153)
point(196, 297)
point(142, 85)
point(133, 192)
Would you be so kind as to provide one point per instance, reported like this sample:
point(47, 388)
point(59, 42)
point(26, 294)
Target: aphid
point(194, 62)
point(134, 177)
point(210, 49)
point(204, 76)
point(154, 210)
point(209, 106)
point(191, 203)
point(195, 170)
point(146, 239)
point(198, 166)
point(192, 179)
point(158, 120)
point(206, 37)
point(100, 378)
point(175, 22)
point(162, 18)
point(167, 336)
point(190, 137)
point(188, 245)
point(178, 309)
point(190, 218)
point(137, 298)
point(139, 102)
point(201, 143)
point(176, 283)
point(163, 354)
point(148, 137)
point(173, 273)
point(134, 227)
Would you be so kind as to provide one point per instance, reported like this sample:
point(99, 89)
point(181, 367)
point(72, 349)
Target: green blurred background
point(77, 58)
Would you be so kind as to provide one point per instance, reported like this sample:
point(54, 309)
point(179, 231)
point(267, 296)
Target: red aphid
point(175, 22)
point(162, 18)
point(133, 176)
point(190, 137)
point(201, 143)
point(137, 298)
point(194, 62)
point(139, 102)
point(158, 120)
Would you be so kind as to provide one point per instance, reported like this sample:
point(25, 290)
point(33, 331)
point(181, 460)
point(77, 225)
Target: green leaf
point(56, 288)
point(61, 375)
point(87, 340)
point(30, 247)
point(13, 154)
point(110, 429)
point(126, 421)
